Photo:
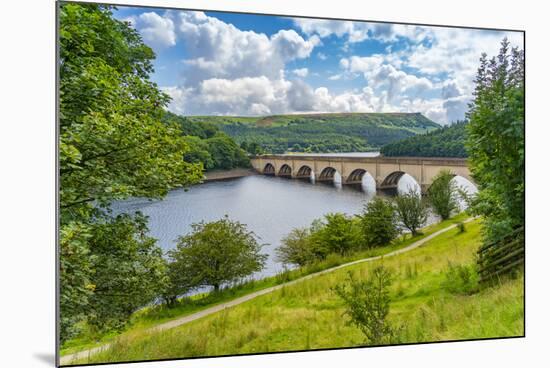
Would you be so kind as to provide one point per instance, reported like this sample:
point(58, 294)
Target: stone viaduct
point(386, 171)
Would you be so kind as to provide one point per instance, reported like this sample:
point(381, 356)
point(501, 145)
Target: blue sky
point(215, 63)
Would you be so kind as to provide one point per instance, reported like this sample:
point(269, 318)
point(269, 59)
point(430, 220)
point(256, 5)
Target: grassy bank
point(151, 316)
point(429, 303)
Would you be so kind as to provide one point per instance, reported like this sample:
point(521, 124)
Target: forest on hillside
point(208, 145)
point(319, 132)
point(448, 141)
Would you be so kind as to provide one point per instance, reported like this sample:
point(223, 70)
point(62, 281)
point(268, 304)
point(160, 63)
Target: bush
point(378, 222)
point(461, 226)
point(296, 248)
point(460, 279)
point(368, 304)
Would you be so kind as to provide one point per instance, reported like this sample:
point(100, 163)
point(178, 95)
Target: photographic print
point(237, 183)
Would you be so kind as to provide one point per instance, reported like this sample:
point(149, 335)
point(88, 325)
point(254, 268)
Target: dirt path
point(67, 359)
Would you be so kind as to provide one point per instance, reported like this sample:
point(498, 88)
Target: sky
point(215, 63)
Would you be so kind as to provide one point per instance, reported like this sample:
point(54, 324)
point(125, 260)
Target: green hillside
point(433, 298)
point(444, 142)
point(335, 132)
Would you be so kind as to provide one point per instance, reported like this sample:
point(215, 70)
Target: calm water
point(270, 206)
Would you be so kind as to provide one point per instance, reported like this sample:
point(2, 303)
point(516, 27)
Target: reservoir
point(270, 207)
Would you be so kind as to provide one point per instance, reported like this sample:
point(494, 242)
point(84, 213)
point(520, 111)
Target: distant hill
point(444, 142)
point(330, 132)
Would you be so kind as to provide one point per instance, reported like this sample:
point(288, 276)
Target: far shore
point(217, 175)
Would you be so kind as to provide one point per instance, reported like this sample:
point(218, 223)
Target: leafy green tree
point(225, 153)
point(129, 270)
point(198, 152)
point(368, 305)
point(112, 146)
point(179, 281)
point(338, 234)
point(495, 141)
point(75, 266)
point(112, 142)
point(297, 248)
point(244, 146)
point(379, 222)
point(442, 194)
point(411, 210)
point(217, 253)
point(447, 141)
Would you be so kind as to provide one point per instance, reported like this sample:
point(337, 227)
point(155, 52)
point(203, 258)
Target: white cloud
point(383, 76)
point(302, 72)
point(355, 31)
point(361, 31)
point(157, 31)
point(456, 53)
point(215, 49)
point(228, 71)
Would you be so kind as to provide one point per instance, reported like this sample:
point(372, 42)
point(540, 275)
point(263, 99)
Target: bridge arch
point(356, 176)
point(269, 169)
point(285, 171)
point(327, 174)
point(392, 182)
point(459, 180)
point(304, 172)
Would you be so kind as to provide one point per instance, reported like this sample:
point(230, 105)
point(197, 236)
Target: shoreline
point(218, 175)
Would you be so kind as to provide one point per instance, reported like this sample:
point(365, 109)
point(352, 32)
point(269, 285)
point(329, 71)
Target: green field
point(151, 316)
point(336, 132)
point(427, 305)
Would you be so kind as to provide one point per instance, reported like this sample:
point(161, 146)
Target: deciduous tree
point(217, 253)
point(443, 193)
point(113, 145)
point(411, 210)
point(379, 222)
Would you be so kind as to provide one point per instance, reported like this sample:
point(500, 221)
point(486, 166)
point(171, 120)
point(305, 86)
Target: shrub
point(296, 248)
point(368, 304)
point(460, 279)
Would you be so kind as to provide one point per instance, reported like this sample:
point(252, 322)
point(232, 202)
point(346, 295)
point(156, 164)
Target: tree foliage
point(447, 141)
point(368, 305)
point(411, 210)
point(379, 222)
point(356, 132)
point(129, 270)
point(495, 141)
point(337, 234)
point(442, 194)
point(208, 145)
point(296, 248)
point(218, 253)
point(113, 145)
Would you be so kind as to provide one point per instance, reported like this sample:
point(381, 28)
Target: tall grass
point(150, 316)
point(425, 302)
